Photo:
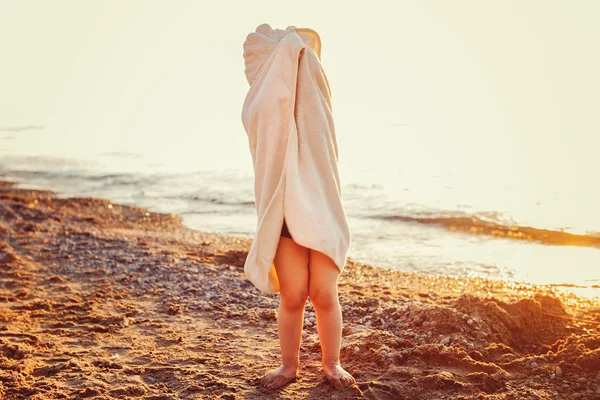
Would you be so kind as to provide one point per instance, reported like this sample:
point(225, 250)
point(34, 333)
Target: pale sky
point(515, 81)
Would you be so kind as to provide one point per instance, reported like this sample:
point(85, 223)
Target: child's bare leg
point(291, 264)
point(322, 288)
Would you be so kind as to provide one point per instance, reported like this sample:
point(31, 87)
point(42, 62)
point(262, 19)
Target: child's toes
point(266, 381)
point(274, 383)
point(335, 382)
point(347, 380)
point(279, 381)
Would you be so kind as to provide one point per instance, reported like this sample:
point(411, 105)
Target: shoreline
point(102, 300)
point(497, 251)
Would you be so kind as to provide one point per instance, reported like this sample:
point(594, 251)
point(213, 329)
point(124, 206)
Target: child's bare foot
point(279, 377)
point(338, 376)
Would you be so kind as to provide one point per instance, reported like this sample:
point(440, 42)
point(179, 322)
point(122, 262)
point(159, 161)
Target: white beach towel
point(287, 116)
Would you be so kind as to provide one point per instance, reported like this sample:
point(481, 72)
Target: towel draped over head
point(287, 116)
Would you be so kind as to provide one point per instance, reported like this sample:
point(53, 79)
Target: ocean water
point(417, 208)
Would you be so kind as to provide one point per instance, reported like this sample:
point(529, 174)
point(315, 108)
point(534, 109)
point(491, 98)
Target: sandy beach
point(103, 301)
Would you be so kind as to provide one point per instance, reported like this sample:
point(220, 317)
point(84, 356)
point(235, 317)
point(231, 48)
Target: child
point(287, 115)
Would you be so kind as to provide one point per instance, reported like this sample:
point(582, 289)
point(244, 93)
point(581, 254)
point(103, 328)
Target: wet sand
point(102, 301)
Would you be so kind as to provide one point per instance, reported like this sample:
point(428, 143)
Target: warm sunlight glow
point(462, 116)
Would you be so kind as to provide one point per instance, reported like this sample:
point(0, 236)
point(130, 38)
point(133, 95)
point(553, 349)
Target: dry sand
point(106, 301)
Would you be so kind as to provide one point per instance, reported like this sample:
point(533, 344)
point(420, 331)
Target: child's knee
point(323, 297)
point(294, 300)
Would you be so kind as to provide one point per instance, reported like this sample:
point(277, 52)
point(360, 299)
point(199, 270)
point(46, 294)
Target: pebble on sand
point(558, 371)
